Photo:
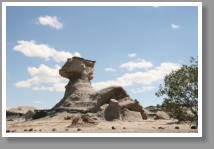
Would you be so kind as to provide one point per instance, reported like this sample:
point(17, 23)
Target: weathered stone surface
point(113, 92)
point(131, 115)
point(156, 113)
point(133, 105)
point(162, 115)
point(77, 67)
point(112, 112)
point(80, 97)
point(79, 92)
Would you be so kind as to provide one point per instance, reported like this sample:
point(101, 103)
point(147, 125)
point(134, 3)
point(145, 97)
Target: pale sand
point(47, 124)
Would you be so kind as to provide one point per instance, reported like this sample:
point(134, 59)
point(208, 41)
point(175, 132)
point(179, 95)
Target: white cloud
point(31, 49)
point(51, 21)
point(155, 6)
point(132, 55)
point(110, 69)
point(175, 26)
point(133, 65)
point(143, 78)
point(142, 89)
point(43, 78)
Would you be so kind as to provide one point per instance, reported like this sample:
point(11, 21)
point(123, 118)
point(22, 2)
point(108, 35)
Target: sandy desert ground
point(59, 124)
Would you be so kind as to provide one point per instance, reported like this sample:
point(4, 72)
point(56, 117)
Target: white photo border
point(87, 4)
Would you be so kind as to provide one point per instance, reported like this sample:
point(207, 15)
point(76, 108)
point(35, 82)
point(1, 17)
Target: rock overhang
point(77, 67)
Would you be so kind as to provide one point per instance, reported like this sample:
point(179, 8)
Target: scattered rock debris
point(31, 129)
point(113, 127)
point(176, 127)
point(193, 127)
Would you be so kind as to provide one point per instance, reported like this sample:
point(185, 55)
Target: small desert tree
point(180, 92)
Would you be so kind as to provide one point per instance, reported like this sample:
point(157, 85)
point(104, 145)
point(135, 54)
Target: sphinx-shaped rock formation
point(78, 92)
point(80, 97)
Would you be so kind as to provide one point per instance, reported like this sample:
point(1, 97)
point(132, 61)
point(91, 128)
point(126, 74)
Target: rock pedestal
point(79, 93)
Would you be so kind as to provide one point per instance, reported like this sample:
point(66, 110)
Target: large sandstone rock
point(80, 97)
point(112, 112)
point(113, 92)
point(133, 105)
point(79, 93)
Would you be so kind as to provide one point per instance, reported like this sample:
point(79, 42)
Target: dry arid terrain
point(62, 122)
point(83, 109)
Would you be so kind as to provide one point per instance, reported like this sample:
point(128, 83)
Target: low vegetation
point(180, 92)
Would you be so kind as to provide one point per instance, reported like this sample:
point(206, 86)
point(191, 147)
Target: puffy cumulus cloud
point(51, 21)
point(144, 78)
point(175, 26)
point(110, 69)
point(43, 78)
point(32, 49)
point(136, 65)
point(142, 89)
point(132, 55)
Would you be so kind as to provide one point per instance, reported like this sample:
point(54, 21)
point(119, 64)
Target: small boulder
point(131, 115)
point(113, 127)
point(193, 127)
point(133, 105)
point(176, 127)
point(112, 112)
point(31, 129)
point(7, 130)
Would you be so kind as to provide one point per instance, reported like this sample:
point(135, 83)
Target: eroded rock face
point(78, 92)
point(80, 97)
point(113, 92)
point(77, 67)
point(112, 112)
point(131, 115)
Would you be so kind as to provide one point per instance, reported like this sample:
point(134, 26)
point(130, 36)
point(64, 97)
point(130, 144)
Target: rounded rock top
point(77, 67)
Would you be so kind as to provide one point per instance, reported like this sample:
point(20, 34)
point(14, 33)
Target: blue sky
point(133, 46)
